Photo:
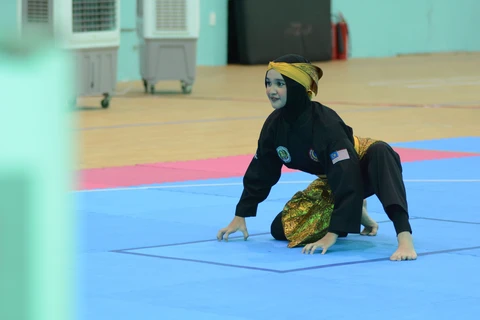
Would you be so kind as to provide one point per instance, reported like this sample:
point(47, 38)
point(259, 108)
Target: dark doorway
point(261, 30)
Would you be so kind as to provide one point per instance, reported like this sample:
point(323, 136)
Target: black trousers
point(276, 229)
point(382, 174)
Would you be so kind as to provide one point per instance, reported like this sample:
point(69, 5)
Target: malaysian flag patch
point(339, 155)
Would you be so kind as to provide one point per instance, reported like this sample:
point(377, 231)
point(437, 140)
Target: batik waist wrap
point(306, 216)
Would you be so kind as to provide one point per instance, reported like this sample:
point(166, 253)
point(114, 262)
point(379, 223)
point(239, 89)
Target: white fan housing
point(168, 31)
point(88, 28)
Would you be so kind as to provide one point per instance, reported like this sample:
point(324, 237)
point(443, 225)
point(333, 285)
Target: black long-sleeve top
point(320, 143)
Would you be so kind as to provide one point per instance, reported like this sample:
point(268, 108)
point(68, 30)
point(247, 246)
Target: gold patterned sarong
point(306, 216)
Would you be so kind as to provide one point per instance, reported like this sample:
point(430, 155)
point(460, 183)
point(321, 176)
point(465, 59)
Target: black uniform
point(311, 137)
point(320, 143)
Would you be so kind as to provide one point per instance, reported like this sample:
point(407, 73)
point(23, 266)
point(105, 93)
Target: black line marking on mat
point(200, 261)
point(340, 264)
point(211, 240)
point(377, 260)
point(446, 220)
point(184, 243)
point(332, 265)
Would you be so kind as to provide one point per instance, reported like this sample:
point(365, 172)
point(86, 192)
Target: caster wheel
point(106, 101)
point(145, 85)
point(186, 88)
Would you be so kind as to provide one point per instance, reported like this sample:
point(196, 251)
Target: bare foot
point(370, 225)
point(405, 250)
point(370, 230)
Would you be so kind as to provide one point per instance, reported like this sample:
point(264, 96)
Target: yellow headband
point(304, 73)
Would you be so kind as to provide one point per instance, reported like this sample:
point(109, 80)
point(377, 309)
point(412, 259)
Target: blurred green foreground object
point(37, 269)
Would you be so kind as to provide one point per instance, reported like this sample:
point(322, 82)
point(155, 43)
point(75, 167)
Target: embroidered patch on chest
point(313, 155)
point(284, 154)
point(339, 155)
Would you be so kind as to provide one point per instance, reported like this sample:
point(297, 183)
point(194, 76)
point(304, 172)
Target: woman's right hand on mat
point(237, 224)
